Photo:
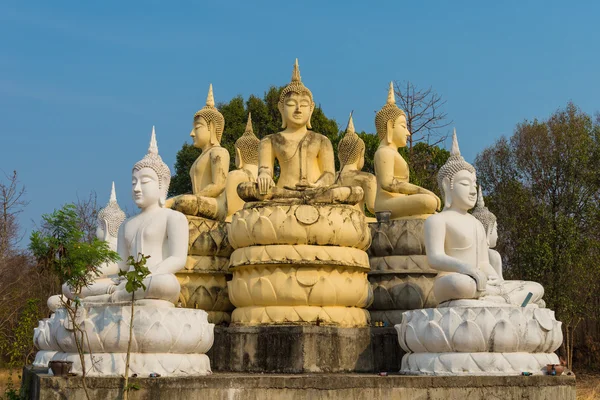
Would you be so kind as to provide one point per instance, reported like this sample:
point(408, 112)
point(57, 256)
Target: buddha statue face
point(203, 132)
point(460, 191)
point(398, 131)
point(146, 188)
point(296, 110)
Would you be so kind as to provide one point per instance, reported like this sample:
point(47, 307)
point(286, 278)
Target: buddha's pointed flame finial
point(296, 73)
point(391, 96)
point(455, 149)
point(249, 124)
point(350, 127)
point(210, 99)
point(153, 149)
point(113, 194)
point(480, 202)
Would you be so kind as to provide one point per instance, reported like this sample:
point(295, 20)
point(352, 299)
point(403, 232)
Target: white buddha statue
point(456, 244)
point(512, 290)
point(351, 153)
point(109, 220)
point(157, 232)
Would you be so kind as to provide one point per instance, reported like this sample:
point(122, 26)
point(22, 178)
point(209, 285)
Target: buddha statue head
point(296, 103)
point(208, 123)
point(390, 122)
point(457, 180)
point(351, 149)
point(151, 178)
point(246, 147)
point(109, 220)
point(487, 219)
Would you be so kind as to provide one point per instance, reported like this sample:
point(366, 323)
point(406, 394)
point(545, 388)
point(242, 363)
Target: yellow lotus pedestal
point(299, 264)
point(204, 279)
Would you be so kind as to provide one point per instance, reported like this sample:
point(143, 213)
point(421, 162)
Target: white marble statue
point(158, 232)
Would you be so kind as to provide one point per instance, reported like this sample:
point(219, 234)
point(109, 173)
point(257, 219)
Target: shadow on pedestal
point(302, 349)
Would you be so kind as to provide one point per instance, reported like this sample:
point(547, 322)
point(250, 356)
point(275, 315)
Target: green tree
point(542, 184)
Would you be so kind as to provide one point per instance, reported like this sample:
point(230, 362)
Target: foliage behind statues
point(542, 184)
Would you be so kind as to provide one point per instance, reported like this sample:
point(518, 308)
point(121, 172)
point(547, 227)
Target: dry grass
point(588, 386)
point(5, 376)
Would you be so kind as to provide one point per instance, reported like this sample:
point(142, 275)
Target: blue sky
point(82, 83)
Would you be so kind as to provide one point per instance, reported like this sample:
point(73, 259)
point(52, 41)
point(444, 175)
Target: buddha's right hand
point(479, 276)
point(265, 182)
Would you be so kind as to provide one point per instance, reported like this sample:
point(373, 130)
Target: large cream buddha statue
point(156, 231)
point(246, 162)
point(457, 244)
point(394, 192)
point(109, 220)
point(306, 158)
point(209, 171)
point(351, 153)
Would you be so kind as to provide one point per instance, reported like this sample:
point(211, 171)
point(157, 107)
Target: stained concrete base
point(233, 386)
point(305, 349)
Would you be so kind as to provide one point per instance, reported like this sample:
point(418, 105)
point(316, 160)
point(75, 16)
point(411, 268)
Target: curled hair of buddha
point(350, 147)
point(390, 111)
point(211, 114)
point(481, 212)
point(295, 86)
point(153, 161)
point(453, 165)
point(248, 144)
point(111, 217)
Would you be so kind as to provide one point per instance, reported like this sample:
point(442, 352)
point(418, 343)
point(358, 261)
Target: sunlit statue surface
point(246, 162)
point(510, 291)
point(209, 171)
point(457, 243)
point(157, 232)
point(394, 192)
point(306, 158)
point(109, 220)
point(351, 153)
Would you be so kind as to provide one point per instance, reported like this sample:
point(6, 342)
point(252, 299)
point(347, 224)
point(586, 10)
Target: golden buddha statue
point(394, 192)
point(351, 153)
point(246, 162)
point(209, 171)
point(306, 158)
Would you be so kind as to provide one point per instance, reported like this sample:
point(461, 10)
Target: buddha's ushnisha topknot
point(153, 161)
point(351, 146)
point(389, 111)
point(295, 86)
point(481, 212)
point(111, 216)
point(211, 114)
point(454, 164)
point(248, 144)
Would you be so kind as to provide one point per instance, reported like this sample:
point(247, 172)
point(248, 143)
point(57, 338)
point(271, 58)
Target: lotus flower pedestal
point(474, 340)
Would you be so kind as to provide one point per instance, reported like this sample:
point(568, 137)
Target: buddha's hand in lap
point(479, 276)
point(265, 182)
point(437, 199)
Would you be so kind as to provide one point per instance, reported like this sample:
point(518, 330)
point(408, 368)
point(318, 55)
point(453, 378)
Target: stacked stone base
point(166, 340)
point(299, 264)
point(503, 340)
point(400, 275)
point(204, 279)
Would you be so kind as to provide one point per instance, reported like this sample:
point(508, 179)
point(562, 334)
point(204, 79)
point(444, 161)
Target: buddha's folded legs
point(404, 206)
point(160, 286)
point(99, 287)
point(207, 207)
point(454, 286)
point(515, 292)
point(329, 195)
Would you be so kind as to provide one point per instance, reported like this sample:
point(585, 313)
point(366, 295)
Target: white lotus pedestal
point(204, 279)
point(166, 340)
point(487, 340)
point(299, 264)
point(400, 275)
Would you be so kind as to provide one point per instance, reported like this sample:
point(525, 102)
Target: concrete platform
point(233, 386)
point(305, 349)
